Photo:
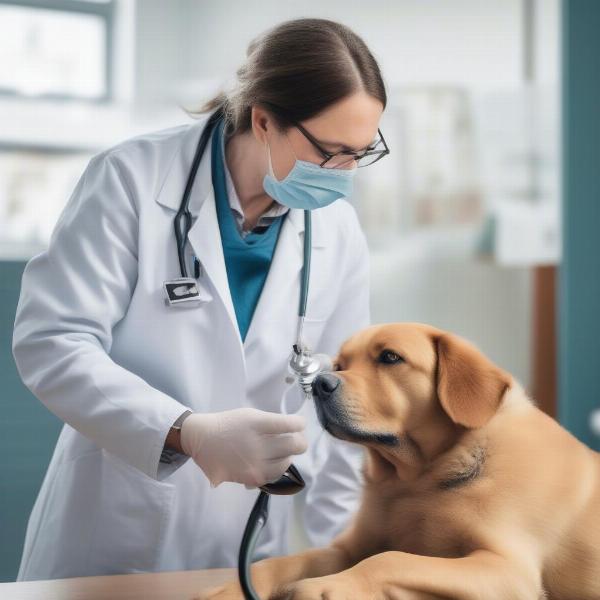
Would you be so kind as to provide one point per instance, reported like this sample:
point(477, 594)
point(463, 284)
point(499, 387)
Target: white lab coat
point(95, 342)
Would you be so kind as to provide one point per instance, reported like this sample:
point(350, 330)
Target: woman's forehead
point(352, 122)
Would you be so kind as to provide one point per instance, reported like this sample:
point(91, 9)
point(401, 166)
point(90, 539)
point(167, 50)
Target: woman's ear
point(258, 122)
point(470, 387)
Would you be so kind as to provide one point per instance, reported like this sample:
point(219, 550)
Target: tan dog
point(471, 492)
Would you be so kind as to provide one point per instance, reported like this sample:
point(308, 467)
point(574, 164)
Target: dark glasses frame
point(329, 155)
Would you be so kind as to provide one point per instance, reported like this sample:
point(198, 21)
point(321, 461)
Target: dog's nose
point(325, 385)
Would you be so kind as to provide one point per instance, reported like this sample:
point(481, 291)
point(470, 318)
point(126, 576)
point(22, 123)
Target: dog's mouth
point(335, 420)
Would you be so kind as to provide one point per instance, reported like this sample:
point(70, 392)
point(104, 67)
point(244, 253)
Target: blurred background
point(482, 203)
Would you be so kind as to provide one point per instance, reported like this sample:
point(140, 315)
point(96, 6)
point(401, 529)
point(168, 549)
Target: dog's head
point(394, 379)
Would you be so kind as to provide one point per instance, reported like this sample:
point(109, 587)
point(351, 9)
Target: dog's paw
point(229, 591)
point(331, 587)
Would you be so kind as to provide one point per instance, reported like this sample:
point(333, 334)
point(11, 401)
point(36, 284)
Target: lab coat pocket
point(59, 528)
point(313, 330)
point(321, 303)
point(132, 518)
point(318, 302)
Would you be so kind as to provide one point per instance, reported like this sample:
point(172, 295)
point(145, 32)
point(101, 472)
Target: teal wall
point(28, 433)
point(579, 276)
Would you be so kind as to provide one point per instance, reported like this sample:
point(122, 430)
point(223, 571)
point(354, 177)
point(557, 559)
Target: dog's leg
point(482, 575)
point(270, 574)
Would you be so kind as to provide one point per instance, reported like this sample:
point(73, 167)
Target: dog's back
point(573, 570)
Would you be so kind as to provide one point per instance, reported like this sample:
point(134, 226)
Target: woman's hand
point(245, 445)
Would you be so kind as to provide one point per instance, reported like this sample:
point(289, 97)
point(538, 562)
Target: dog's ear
point(470, 387)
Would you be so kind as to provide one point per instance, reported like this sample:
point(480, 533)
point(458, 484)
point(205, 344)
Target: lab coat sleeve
point(333, 495)
point(72, 294)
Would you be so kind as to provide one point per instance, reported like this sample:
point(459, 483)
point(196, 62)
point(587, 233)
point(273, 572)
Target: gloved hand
point(245, 445)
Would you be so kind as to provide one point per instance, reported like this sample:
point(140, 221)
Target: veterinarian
point(169, 404)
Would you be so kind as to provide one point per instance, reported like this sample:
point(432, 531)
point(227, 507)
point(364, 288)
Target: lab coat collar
point(175, 177)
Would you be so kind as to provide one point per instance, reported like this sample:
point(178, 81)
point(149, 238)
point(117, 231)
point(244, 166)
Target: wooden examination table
point(168, 585)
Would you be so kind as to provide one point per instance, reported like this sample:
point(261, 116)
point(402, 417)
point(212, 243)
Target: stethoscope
point(303, 365)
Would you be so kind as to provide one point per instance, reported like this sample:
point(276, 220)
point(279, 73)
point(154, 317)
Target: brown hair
point(296, 70)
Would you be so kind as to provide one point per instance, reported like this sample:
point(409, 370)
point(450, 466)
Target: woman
point(168, 409)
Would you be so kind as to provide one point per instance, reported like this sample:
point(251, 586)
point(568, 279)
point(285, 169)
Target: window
point(56, 49)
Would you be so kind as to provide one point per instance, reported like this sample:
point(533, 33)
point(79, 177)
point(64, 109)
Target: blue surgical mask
point(308, 186)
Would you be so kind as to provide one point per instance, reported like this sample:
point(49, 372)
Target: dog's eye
point(389, 357)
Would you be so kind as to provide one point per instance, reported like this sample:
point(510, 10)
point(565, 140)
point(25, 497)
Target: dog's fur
point(470, 491)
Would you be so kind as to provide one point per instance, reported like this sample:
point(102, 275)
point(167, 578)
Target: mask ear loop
point(271, 172)
point(268, 147)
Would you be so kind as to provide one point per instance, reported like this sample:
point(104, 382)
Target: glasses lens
point(344, 161)
point(369, 159)
point(339, 161)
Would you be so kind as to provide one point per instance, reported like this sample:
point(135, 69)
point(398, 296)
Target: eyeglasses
point(336, 160)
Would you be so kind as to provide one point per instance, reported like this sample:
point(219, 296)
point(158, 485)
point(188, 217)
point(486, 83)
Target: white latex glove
point(245, 445)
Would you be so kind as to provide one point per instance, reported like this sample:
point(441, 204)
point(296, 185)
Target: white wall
point(414, 40)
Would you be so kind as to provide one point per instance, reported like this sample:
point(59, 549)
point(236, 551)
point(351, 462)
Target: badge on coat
point(181, 290)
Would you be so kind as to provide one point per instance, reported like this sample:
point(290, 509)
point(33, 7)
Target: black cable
point(256, 521)
point(290, 482)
